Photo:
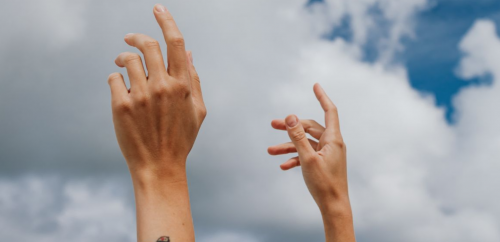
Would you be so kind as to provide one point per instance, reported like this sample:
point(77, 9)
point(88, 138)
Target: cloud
point(228, 237)
point(381, 24)
point(477, 128)
point(45, 209)
point(55, 23)
point(258, 60)
point(480, 46)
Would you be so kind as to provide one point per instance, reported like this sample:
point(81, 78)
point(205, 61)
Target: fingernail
point(160, 8)
point(291, 121)
point(128, 35)
point(191, 57)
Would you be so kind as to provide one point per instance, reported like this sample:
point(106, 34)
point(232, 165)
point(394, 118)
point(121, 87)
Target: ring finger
point(135, 69)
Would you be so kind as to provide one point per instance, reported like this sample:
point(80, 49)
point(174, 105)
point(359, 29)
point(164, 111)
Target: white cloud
point(478, 129)
point(383, 22)
point(481, 48)
point(395, 138)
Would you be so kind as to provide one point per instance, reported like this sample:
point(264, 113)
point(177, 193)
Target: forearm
point(156, 121)
point(338, 222)
point(163, 208)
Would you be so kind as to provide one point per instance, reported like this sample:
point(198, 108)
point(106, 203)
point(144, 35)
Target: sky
point(415, 82)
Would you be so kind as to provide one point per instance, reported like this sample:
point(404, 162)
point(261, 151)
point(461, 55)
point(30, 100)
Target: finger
point(331, 115)
point(291, 163)
point(288, 148)
point(195, 81)
point(117, 86)
point(298, 137)
point(151, 51)
point(176, 54)
point(135, 69)
point(310, 126)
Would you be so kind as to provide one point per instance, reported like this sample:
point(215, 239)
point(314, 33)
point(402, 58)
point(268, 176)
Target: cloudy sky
point(416, 83)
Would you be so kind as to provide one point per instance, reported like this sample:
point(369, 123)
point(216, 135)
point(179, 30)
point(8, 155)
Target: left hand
point(324, 163)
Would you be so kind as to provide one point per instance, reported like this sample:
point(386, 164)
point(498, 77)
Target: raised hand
point(158, 119)
point(156, 123)
point(323, 165)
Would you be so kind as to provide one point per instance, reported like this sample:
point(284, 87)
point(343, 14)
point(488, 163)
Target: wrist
point(338, 221)
point(340, 207)
point(159, 173)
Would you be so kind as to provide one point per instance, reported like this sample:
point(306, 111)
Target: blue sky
point(433, 55)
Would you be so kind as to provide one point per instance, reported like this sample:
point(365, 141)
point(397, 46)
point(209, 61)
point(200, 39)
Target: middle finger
point(176, 52)
point(150, 48)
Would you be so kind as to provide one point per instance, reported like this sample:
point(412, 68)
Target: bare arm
point(323, 164)
point(156, 124)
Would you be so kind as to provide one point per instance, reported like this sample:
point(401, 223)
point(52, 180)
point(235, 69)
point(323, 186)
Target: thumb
point(299, 138)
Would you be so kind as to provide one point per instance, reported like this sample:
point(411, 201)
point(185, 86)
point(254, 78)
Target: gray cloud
point(258, 61)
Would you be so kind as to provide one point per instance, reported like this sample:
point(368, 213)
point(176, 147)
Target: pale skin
point(157, 121)
point(324, 166)
point(156, 125)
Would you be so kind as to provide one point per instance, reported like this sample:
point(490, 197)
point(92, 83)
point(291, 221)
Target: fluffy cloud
point(380, 23)
point(478, 130)
point(42, 208)
point(258, 60)
point(481, 48)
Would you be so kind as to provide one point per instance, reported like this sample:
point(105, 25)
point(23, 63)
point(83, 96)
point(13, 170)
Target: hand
point(156, 124)
point(323, 166)
point(158, 119)
point(324, 161)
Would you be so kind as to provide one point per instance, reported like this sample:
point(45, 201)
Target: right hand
point(158, 119)
point(324, 161)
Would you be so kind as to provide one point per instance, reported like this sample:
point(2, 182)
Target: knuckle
point(160, 90)
point(114, 76)
point(298, 135)
point(130, 58)
point(151, 44)
point(122, 107)
point(141, 100)
point(314, 159)
point(203, 112)
point(334, 108)
point(310, 160)
point(177, 41)
point(196, 77)
point(182, 88)
point(339, 143)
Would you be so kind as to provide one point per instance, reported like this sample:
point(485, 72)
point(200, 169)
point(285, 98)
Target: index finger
point(331, 114)
point(310, 126)
point(176, 51)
